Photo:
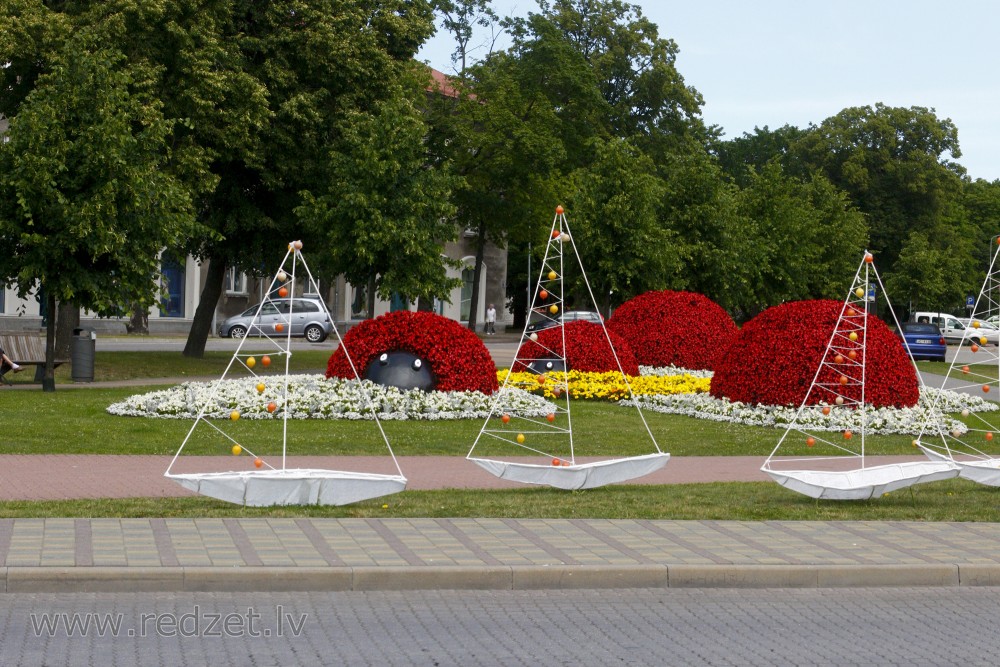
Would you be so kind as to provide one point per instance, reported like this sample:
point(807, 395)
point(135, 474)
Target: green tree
point(613, 212)
point(87, 198)
point(385, 215)
point(797, 240)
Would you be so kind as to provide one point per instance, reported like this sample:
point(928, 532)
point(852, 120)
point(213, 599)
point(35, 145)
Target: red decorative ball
point(774, 360)
point(671, 328)
point(457, 357)
point(282, 292)
point(559, 210)
point(587, 349)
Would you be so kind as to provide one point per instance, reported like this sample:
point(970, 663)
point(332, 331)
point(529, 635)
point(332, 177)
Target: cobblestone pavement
point(766, 627)
point(160, 554)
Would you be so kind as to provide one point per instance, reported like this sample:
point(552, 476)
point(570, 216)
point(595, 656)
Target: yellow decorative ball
point(251, 362)
point(859, 292)
point(237, 450)
point(853, 336)
point(260, 387)
point(520, 438)
point(553, 275)
point(234, 415)
point(553, 309)
point(975, 325)
point(982, 340)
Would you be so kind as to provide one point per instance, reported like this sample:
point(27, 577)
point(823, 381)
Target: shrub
point(458, 359)
point(774, 360)
point(587, 345)
point(670, 328)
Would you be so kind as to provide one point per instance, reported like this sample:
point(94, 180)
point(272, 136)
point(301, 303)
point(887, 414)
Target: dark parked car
point(569, 316)
point(924, 341)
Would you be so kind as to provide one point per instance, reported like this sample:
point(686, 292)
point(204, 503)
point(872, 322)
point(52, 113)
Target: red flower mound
point(457, 358)
point(587, 351)
point(775, 357)
point(669, 328)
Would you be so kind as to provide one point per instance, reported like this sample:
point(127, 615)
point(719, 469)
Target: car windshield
point(930, 329)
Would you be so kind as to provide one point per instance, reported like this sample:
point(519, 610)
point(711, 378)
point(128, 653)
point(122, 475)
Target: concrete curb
point(533, 577)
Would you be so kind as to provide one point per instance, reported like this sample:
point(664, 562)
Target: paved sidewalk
point(40, 555)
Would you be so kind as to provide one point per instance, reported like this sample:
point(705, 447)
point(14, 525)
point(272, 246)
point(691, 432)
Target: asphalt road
point(835, 627)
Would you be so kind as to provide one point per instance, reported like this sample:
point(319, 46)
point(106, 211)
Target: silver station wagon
point(308, 317)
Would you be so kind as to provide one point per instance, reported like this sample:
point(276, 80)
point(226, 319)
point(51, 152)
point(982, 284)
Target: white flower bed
point(673, 370)
point(314, 397)
point(879, 420)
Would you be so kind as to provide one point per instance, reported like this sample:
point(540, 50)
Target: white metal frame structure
point(822, 476)
point(267, 484)
point(552, 437)
point(971, 450)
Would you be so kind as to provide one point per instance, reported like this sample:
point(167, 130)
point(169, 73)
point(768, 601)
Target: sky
point(776, 62)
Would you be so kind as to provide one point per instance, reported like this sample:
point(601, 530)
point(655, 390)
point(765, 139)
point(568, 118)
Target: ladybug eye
point(548, 366)
point(417, 364)
point(384, 359)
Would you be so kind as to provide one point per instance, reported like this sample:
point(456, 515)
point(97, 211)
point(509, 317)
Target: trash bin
point(82, 355)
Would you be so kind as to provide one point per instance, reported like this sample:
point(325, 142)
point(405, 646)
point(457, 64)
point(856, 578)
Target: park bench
point(25, 350)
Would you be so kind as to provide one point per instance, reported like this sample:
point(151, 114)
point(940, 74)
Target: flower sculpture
point(587, 349)
point(670, 328)
point(453, 356)
point(775, 357)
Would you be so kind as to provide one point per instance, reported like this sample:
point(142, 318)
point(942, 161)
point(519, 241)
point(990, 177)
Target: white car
point(960, 330)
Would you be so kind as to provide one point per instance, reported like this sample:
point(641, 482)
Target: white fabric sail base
point(985, 471)
point(862, 483)
point(577, 476)
point(303, 486)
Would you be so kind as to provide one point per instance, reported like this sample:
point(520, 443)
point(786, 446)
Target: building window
point(359, 303)
point(3, 300)
point(468, 275)
point(172, 304)
point(236, 282)
point(398, 303)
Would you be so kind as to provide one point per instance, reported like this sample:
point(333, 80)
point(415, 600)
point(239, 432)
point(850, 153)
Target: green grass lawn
point(953, 500)
point(75, 421)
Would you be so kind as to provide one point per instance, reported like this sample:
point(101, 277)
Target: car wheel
point(941, 358)
point(315, 334)
point(237, 332)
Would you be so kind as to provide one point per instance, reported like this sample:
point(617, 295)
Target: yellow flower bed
point(605, 386)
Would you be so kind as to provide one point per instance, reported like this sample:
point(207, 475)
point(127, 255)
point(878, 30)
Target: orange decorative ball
point(505, 419)
point(257, 462)
point(839, 359)
point(266, 360)
point(853, 355)
point(848, 435)
point(559, 210)
point(810, 441)
point(282, 292)
point(843, 379)
point(551, 417)
point(555, 462)
point(541, 379)
point(555, 233)
point(543, 295)
point(986, 389)
point(965, 369)
point(974, 348)
point(851, 312)
point(868, 258)
point(272, 406)
point(826, 409)
point(989, 436)
point(279, 327)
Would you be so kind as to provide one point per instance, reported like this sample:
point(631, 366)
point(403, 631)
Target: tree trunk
point(476, 274)
point(202, 324)
point(139, 321)
point(67, 319)
point(49, 378)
